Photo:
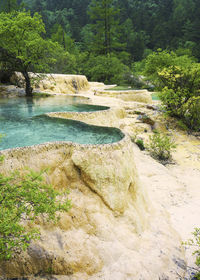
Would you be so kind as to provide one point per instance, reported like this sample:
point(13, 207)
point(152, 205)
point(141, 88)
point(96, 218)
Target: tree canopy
point(125, 30)
point(21, 38)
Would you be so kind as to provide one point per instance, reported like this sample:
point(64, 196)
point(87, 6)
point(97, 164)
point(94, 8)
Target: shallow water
point(23, 122)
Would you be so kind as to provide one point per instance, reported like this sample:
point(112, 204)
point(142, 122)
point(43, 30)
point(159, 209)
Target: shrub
point(195, 242)
point(104, 68)
point(191, 112)
point(160, 146)
point(24, 198)
point(178, 78)
point(140, 144)
point(157, 61)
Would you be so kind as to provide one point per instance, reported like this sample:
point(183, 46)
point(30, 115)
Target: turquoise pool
point(23, 122)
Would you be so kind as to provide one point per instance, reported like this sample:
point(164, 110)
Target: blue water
point(24, 124)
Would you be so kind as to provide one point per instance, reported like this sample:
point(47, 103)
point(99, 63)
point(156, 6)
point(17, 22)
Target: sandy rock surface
point(130, 213)
point(58, 83)
point(143, 96)
point(116, 227)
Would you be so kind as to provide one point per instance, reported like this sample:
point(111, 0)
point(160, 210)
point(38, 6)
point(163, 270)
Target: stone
point(146, 119)
point(111, 229)
point(143, 96)
point(57, 83)
point(60, 83)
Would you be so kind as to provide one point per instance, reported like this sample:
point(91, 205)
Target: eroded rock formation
point(109, 117)
point(143, 96)
point(58, 83)
point(111, 232)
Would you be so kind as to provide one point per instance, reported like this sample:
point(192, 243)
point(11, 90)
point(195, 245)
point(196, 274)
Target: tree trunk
point(106, 28)
point(29, 89)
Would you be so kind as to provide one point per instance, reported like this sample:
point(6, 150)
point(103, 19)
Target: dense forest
point(104, 39)
point(134, 26)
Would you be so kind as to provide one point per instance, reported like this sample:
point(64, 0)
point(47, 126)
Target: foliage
point(8, 5)
point(140, 144)
point(181, 93)
point(59, 35)
point(1, 156)
point(66, 63)
point(128, 29)
point(160, 146)
point(178, 78)
point(135, 81)
point(103, 68)
point(103, 15)
point(191, 111)
point(138, 25)
point(160, 60)
point(195, 242)
point(23, 199)
point(21, 36)
point(137, 140)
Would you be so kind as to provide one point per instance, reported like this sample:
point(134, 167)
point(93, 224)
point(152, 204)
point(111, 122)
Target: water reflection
point(29, 102)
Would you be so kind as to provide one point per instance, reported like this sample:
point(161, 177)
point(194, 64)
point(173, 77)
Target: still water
point(23, 122)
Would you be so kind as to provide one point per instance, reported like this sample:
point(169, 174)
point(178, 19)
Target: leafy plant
point(23, 199)
point(23, 47)
point(160, 146)
point(137, 140)
point(1, 156)
point(140, 144)
point(159, 60)
point(105, 68)
point(191, 113)
point(195, 242)
point(178, 78)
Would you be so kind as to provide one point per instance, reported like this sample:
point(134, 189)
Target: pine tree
point(8, 5)
point(104, 23)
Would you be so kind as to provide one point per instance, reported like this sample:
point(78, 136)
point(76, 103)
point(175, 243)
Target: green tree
point(59, 35)
point(8, 5)
point(135, 42)
point(157, 61)
point(23, 199)
point(22, 47)
point(178, 79)
point(104, 25)
point(195, 243)
point(107, 69)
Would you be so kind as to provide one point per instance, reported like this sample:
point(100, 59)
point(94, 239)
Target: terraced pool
point(24, 123)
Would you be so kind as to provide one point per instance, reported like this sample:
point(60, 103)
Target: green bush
point(192, 113)
point(160, 146)
point(195, 242)
point(159, 60)
point(24, 198)
point(105, 68)
point(178, 78)
point(140, 144)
